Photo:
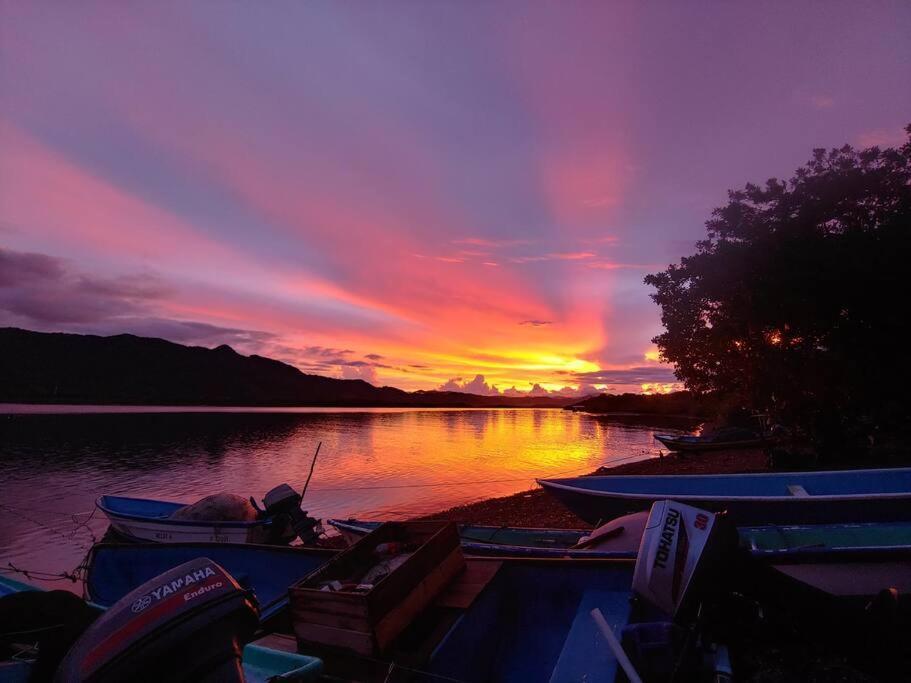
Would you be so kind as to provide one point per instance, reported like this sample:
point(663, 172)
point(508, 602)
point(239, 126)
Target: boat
point(114, 569)
point(261, 664)
point(9, 586)
point(145, 519)
point(794, 543)
point(872, 495)
point(500, 541)
point(717, 441)
point(533, 623)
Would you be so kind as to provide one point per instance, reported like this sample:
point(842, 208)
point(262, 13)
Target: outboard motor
point(682, 550)
point(681, 554)
point(188, 624)
point(285, 501)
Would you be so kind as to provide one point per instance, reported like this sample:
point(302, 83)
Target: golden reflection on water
point(373, 463)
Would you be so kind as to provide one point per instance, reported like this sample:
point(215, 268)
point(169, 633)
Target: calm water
point(377, 463)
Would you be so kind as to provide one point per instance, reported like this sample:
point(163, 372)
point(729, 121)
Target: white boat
point(144, 519)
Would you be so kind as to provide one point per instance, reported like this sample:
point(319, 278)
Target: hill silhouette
point(39, 367)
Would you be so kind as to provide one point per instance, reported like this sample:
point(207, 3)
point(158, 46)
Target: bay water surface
point(374, 463)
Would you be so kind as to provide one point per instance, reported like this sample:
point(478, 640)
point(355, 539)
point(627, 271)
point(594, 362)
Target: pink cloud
point(883, 137)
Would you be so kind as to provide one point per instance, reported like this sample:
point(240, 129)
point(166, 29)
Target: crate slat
point(367, 623)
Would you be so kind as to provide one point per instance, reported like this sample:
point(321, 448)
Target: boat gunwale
point(555, 531)
point(711, 497)
point(112, 514)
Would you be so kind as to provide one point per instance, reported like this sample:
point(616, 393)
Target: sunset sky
point(419, 194)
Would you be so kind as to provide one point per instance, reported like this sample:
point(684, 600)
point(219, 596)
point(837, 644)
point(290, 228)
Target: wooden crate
point(367, 623)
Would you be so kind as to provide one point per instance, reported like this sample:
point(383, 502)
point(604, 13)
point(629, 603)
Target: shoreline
point(535, 508)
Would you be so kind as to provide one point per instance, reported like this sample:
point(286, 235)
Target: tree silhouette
point(797, 301)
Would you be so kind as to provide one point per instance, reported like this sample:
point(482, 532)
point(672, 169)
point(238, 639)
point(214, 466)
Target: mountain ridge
point(125, 369)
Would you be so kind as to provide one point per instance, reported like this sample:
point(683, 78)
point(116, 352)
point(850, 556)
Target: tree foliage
point(797, 300)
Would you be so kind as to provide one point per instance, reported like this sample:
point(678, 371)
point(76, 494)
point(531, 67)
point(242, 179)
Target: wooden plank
point(344, 602)
point(328, 616)
point(278, 641)
point(393, 589)
point(357, 641)
point(398, 618)
point(463, 590)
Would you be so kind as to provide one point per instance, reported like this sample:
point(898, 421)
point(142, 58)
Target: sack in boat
point(220, 507)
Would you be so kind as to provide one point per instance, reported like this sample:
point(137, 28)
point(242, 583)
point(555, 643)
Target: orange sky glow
point(423, 196)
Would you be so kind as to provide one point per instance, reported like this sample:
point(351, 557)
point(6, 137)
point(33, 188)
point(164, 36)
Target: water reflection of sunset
point(373, 463)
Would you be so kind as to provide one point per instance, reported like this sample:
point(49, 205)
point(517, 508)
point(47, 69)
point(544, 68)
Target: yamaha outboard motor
point(188, 624)
point(284, 501)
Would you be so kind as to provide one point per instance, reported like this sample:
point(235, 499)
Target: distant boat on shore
point(768, 498)
point(725, 439)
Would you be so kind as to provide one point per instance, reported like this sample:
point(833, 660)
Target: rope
point(37, 523)
point(49, 512)
point(73, 576)
point(78, 525)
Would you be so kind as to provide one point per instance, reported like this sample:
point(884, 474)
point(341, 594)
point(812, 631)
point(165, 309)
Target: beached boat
point(145, 519)
point(499, 541)
point(750, 499)
point(260, 663)
point(687, 443)
point(793, 542)
point(114, 569)
point(150, 520)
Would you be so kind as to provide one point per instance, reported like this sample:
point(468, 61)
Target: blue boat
point(114, 569)
point(260, 664)
point(767, 498)
point(532, 623)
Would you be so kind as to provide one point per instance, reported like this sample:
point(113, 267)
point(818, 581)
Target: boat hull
point(599, 506)
point(150, 521)
point(676, 444)
point(167, 533)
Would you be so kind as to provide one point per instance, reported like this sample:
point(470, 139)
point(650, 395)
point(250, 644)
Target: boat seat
point(797, 491)
point(586, 656)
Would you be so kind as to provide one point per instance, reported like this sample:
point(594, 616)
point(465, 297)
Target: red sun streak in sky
point(453, 195)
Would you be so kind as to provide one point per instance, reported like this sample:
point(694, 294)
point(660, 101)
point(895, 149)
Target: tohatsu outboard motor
point(683, 550)
point(188, 624)
point(284, 502)
point(678, 567)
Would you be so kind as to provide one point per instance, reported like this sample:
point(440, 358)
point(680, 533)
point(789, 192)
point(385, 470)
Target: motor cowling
point(683, 549)
point(188, 624)
point(284, 501)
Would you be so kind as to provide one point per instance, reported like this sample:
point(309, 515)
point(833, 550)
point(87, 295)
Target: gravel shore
point(535, 508)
